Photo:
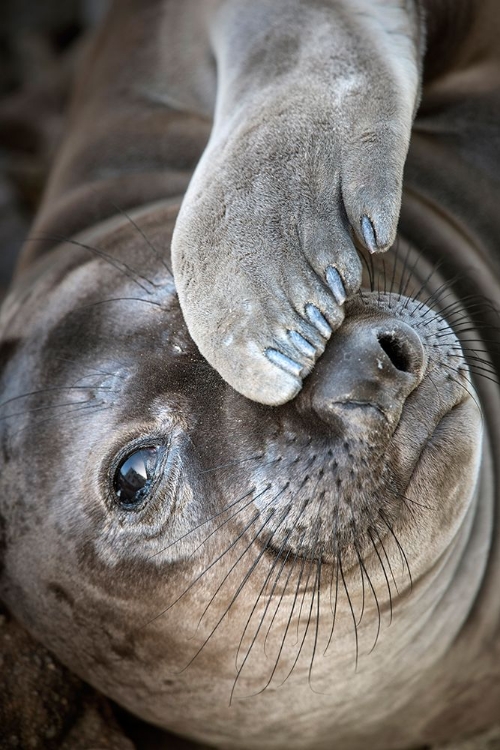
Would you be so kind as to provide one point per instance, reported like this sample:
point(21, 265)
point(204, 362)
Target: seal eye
point(134, 476)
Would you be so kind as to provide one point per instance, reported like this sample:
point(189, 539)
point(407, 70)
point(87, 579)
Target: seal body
point(243, 574)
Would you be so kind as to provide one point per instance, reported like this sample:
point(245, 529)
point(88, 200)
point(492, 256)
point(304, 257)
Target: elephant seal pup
point(182, 548)
point(245, 575)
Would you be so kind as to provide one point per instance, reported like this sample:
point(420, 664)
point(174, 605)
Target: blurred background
point(40, 43)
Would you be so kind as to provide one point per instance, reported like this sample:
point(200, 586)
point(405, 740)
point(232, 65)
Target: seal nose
point(368, 370)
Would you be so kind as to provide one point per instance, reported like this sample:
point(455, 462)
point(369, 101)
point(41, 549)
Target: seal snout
point(368, 370)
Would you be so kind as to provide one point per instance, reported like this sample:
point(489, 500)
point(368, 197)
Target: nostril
point(397, 350)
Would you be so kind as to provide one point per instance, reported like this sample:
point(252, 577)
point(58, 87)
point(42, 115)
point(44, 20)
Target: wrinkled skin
point(290, 574)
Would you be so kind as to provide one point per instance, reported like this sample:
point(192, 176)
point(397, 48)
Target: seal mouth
point(352, 404)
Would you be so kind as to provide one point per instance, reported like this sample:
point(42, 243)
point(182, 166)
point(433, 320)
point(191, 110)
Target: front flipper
point(314, 111)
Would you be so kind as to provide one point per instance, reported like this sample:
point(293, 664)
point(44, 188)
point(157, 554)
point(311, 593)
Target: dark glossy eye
point(134, 476)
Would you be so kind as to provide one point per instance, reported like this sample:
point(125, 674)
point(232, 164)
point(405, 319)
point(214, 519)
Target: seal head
point(164, 534)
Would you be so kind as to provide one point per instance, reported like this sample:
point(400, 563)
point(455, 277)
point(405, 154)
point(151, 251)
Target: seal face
point(171, 534)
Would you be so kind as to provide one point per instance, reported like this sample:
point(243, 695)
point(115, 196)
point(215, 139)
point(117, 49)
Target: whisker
point(404, 558)
point(250, 502)
point(411, 271)
point(144, 237)
point(221, 584)
point(370, 584)
point(280, 600)
point(389, 592)
point(317, 588)
point(393, 277)
point(361, 570)
point(314, 556)
point(269, 599)
point(453, 372)
point(437, 294)
point(117, 299)
point(351, 608)
point(41, 391)
point(119, 265)
point(213, 517)
point(411, 502)
point(283, 545)
point(43, 408)
point(91, 370)
point(92, 409)
point(262, 619)
point(336, 567)
point(240, 587)
point(369, 269)
point(382, 545)
point(209, 567)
